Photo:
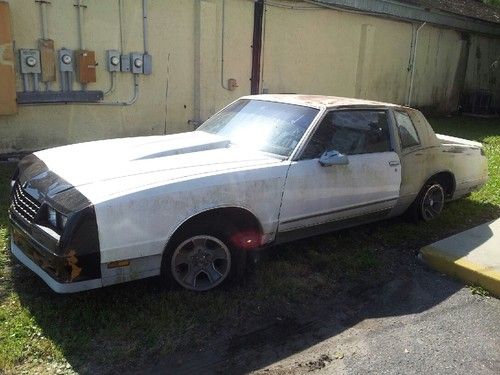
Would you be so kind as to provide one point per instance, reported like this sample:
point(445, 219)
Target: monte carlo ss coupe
point(264, 170)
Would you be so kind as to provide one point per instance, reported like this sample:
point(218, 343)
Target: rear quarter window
point(406, 130)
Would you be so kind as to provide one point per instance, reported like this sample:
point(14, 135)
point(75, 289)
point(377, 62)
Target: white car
point(264, 170)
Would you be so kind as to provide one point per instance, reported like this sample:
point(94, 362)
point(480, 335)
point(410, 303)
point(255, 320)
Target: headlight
point(14, 178)
point(63, 221)
point(52, 217)
point(55, 219)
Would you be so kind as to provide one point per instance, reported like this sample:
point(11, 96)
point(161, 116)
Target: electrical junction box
point(125, 63)
point(232, 84)
point(147, 66)
point(8, 104)
point(65, 60)
point(113, 60)
point(136, 63)
point(29, 61)
point(47, 58)
point(85, 66)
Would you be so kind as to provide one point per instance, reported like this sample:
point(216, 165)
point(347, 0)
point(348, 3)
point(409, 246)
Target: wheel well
point(446, 180)
point(244, 223)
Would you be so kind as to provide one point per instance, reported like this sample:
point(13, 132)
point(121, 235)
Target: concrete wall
point(357, 55)
point(320, 51)
point(482, 71)
point(167, 97)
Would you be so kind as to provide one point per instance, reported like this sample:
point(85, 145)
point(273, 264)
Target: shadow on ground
point(276, 337)
point(138, 327)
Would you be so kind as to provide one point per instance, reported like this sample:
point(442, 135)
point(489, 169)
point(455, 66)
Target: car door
point(367, 186)
point(412, 153)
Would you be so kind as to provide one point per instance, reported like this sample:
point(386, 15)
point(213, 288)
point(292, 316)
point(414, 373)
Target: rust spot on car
point(71, 262)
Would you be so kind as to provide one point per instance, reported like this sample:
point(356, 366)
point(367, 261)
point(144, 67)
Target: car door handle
point(393, 163)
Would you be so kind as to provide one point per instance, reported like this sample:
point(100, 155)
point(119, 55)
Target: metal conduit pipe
point(43, 15)
point(79, 5)
point(131, 101)
point(111, 85)
point(413, 65)
point(63, 81)
point(120, 20)
point(81, 35)
point(145, 25)
point(36, 84)
point(112, 75)
point(25, 82)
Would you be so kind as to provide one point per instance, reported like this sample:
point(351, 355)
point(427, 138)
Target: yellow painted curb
point(463, 269)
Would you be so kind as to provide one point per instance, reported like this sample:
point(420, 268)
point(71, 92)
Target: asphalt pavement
point(419, 322)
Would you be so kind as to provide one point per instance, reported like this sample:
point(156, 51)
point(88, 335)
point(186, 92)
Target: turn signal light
point(119, 263)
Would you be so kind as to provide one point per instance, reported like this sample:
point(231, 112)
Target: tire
point(202, 257)
point(429, 202)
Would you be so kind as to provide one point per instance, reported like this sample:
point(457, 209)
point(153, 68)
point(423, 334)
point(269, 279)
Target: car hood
point(144, 159)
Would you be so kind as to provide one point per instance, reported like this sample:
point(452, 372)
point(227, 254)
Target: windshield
point(261, 125)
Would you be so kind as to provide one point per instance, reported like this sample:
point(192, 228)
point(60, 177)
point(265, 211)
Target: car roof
point(319, 101)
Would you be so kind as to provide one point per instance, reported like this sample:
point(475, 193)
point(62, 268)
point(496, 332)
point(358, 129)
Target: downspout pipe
point(413, 65)
point(257, 46)
point(222, 46)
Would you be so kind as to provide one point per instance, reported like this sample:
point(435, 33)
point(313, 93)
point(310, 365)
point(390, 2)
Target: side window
point(407, 132)
point(351, 133)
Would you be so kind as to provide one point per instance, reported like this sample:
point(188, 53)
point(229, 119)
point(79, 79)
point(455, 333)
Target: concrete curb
point(462, 268)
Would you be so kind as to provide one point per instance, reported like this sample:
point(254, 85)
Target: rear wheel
point(430, 202)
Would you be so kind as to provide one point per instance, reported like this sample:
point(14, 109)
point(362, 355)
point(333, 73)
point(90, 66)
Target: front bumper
point(56, 270)
point(56, 286)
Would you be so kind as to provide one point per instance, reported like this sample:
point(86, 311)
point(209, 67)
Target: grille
point(24, 205)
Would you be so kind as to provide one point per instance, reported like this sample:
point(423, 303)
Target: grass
point(128, 325)
point(479, 290)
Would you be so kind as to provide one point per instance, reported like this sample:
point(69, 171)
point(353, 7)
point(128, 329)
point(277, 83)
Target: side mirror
point(333, 158)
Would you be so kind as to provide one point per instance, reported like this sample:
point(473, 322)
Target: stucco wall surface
point(167, 97)
point(305, 50)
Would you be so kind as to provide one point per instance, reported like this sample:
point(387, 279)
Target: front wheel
point(201, 263)
point(202, 257)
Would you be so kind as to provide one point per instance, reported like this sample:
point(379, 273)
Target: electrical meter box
point(29, 61)
point(136, 62)
point(65, 59)
point(8, 104)
point(85, 66)
point(113, 60)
